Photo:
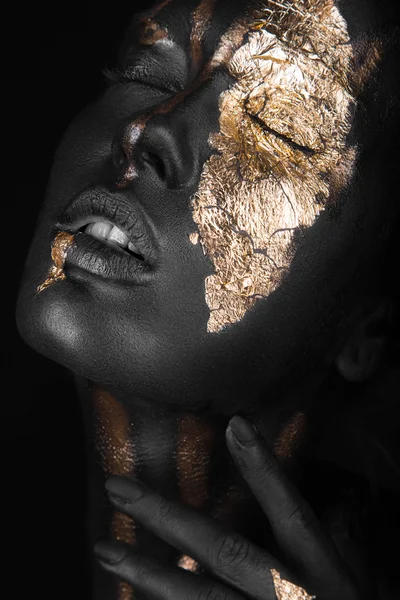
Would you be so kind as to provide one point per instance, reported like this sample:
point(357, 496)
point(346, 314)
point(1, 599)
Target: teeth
point(110, 233)
point(101, 230)
point(118, 236)
point(133, 248)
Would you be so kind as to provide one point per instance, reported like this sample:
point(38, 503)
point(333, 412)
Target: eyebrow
point(201, 15)
point(294, 145)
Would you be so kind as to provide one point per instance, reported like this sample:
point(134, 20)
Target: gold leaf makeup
point(59, 249)
point(281, 151)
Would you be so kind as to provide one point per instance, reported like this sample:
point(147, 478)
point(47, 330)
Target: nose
point(171, 143)
point(154, 147)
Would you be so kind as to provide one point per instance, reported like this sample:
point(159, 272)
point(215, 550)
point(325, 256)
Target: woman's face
point(208, 206)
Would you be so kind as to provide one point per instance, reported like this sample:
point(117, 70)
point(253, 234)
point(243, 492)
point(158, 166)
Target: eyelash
point(115, 75)
point(281, 136)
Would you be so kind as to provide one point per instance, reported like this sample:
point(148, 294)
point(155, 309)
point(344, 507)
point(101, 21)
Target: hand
point(235, 568)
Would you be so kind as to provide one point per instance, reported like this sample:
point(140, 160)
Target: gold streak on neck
point(117, 457)
point(195, 439)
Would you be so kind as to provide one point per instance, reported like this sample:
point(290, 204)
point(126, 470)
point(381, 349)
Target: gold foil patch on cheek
point(194, 238)
point(59, 249)
point(281, 152)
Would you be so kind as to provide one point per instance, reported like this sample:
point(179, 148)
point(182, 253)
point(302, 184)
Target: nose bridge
point(167, 144)
point(170, 141)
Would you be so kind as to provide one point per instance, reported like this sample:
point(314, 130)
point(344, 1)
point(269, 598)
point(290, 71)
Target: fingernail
point(124, 490)
point(109, 552)
point(243, 430)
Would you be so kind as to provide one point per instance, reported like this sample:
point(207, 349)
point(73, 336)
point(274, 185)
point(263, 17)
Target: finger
point(293, 522)
point(159, 581)
point(227, 555)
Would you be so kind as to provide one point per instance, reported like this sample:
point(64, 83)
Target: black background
point(52, 57)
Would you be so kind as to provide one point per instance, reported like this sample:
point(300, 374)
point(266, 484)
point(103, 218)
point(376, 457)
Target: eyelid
point(136, 74)
point(304, 149)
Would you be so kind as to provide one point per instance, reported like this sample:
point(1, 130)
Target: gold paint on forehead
point(200, 18)
point(113, 442)
point(281, 149)
point(152, 32)
point(59, 250)
point(157, 8)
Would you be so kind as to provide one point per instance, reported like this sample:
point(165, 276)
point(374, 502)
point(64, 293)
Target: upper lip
point(114, 208)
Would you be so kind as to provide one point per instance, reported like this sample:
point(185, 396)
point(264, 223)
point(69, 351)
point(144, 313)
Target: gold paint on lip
point(117, 457)
point(282, 153)
point(59, 250)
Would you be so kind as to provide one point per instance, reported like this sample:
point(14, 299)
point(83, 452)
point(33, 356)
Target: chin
point(145, 357)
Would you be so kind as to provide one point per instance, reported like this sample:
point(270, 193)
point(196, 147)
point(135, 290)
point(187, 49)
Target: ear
point(362, 353)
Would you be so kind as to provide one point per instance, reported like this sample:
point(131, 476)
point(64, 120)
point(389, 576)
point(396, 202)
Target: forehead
point(198, 26)
point(211, 18)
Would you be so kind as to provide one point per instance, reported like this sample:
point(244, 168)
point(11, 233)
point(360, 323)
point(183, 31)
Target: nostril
point(156, 162)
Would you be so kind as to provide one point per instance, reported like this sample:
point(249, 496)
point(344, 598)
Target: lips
point(120, 246)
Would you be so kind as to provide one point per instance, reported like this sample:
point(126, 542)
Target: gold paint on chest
point(113, 441)
point(59, 249)
point(282, 141)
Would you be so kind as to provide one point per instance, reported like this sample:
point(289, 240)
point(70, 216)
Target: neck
point(181, 455)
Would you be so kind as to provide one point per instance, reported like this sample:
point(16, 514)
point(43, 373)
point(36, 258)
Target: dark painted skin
point(148, 344)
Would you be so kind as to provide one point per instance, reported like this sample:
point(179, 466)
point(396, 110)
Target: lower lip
point(108, 262)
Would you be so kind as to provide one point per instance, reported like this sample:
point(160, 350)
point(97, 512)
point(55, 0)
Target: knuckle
point(231, 551)
point(162, 511)
point(268, 467)
point(300, 516)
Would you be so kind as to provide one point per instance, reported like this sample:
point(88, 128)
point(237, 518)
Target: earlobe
point(362, 353)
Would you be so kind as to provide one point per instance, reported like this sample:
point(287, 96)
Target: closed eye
point(135, 74)
point(294, 145)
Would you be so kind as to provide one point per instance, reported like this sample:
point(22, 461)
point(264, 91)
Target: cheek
point(282, 156)
point(248, 228)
